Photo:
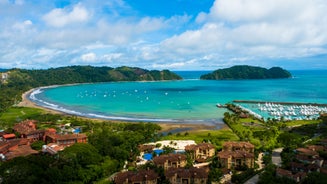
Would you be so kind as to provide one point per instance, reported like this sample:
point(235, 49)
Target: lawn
point(296, 123)
point(216, 137)
point(16, 114)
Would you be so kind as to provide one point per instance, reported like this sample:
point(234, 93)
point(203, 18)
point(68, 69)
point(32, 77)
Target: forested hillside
point(21, 80)
point(247, 72)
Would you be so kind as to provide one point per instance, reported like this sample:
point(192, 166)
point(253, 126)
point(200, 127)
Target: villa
point(201, 152)
point(187, 176)
point(170, 161)
point(236, 155)
point(27, 129)
point(65, 139)
point(132, 177)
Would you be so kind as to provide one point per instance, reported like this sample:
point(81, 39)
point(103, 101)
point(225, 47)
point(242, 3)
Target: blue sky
point(161, 34)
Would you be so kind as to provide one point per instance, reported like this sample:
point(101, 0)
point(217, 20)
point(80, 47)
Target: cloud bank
point(267, 33)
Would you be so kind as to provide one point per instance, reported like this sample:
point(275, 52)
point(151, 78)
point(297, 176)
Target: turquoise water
point(190, 100)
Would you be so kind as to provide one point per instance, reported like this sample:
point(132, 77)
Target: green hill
point(21, 80)
point(247, 72)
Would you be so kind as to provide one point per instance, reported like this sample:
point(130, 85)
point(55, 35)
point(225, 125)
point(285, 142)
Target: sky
point(163, 34)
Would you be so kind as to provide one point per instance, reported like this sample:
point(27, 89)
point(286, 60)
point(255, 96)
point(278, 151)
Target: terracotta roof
point(201, 146)
point(51, 130)
point(9, 136)
point(235, 154)
point(67, 136)
point(187, 173)
point(136, 176)
point(146, 147)
point(170, 157)
point(22, 150)
point(238, 144)
point(306, 151)
point(26, 127)
point(315, 147)
point(283, 172)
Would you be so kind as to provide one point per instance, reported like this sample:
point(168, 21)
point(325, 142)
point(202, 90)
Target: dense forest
point(21, 80)
point(247, 72)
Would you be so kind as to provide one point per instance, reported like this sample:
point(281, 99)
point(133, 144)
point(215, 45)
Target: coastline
point(165, 126)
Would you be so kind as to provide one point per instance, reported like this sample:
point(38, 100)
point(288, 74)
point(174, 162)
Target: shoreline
point(165, 126)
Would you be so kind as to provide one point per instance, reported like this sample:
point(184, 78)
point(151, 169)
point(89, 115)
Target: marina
point(282, 110)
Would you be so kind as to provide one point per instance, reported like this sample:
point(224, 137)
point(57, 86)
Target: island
point(247, 72)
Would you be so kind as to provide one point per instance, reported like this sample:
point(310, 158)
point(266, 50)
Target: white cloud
point(256, 29)
point(61, 17)
point(111, 33)
point(89, 57)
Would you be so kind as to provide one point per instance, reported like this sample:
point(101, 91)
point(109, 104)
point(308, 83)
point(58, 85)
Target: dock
point(281, 103)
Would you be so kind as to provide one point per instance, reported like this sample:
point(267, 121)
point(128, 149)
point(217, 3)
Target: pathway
point(276, 159)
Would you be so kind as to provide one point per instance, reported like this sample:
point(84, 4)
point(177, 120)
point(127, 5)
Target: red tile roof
point(9, 136)
point(306, 151)
point(202, 146)
point(170, 157)
point(22, 150)
point(136, 176)
point(235, 154)
point(238, 144)
point(187, 173)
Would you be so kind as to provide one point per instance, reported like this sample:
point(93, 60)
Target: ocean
point(187, 101)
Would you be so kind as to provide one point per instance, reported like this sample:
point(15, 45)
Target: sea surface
point(188, 101)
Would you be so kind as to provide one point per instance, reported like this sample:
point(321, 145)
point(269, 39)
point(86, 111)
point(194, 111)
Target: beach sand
point(165, 127)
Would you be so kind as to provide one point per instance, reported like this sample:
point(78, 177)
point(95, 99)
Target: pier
point(281, 103)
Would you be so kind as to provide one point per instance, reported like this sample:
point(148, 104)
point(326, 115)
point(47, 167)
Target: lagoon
point(188, 101)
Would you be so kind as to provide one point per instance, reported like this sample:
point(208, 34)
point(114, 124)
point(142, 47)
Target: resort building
point(15, 148)
point(187, 176)
point(170, 161)
point(65, 139)
point(236, 154)
point(27, 129)
point(201, 152)
point(298, 177)
point(132, 177)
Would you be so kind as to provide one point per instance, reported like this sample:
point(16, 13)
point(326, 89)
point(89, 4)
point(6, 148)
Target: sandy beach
point(165, 127)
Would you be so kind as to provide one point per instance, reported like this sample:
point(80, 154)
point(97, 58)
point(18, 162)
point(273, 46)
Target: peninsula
point(247, 72)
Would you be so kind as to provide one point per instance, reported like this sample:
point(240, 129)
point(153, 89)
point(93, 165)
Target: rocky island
point(247, 72)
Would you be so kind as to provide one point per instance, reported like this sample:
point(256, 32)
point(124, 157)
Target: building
point(201, 152)
point(7, 137)
point(27, 129)
point(236, 154)
point(170, 161)
point(137, 177)
point(187, 176)
point(298, 177)
point(15, 148)
point(65, 139)
point(309, 156)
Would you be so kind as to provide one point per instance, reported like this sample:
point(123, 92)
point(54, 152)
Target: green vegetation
point(21, 80)
point(247, 72)
point(110, 145)
point(216, 137)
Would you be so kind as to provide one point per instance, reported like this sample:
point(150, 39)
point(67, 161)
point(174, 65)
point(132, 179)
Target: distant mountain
point(86, 74)
point(247, 72)
point(3, 70)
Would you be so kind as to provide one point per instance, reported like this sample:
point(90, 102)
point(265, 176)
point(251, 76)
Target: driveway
point(276, 159)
